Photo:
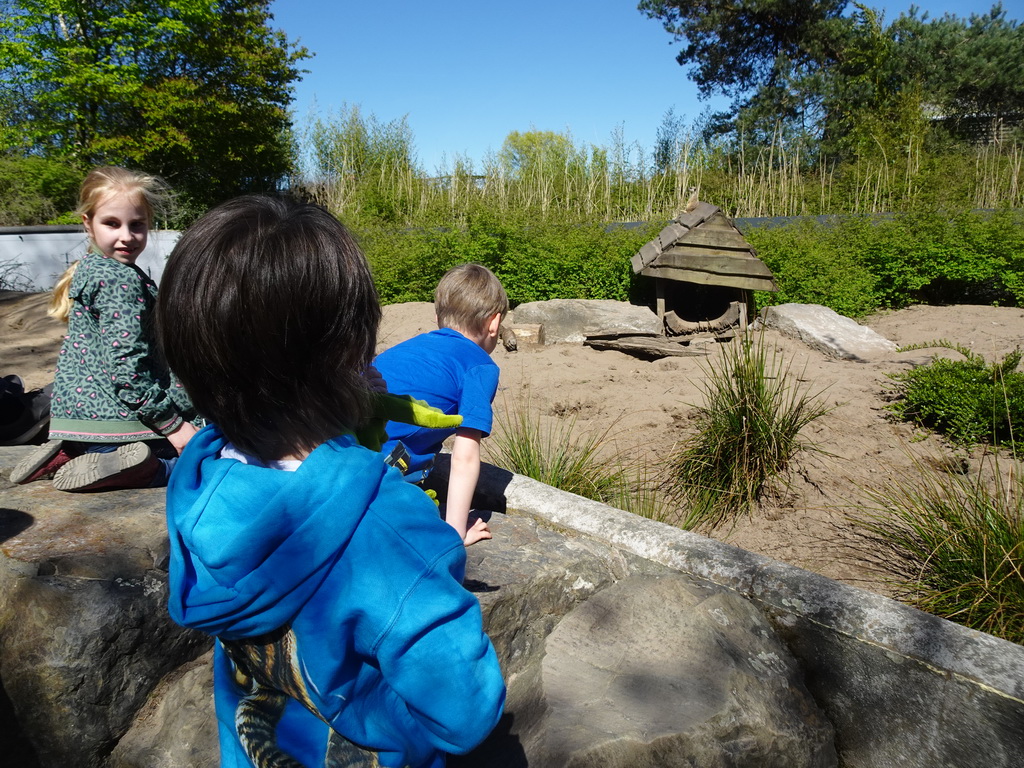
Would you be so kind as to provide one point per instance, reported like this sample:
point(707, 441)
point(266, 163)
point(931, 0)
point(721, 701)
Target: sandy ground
point(647, 406)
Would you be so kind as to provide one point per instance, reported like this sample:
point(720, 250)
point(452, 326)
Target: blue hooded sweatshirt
point(338, 585)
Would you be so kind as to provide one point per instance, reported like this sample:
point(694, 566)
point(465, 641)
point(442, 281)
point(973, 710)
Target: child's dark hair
point(268, 314)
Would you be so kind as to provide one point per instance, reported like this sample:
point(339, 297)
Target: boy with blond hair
point(452, 370)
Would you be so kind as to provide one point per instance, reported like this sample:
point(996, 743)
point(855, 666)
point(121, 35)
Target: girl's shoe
point(132, 465)
point(41, 462)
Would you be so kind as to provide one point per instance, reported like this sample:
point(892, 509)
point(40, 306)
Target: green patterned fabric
point(110, 384)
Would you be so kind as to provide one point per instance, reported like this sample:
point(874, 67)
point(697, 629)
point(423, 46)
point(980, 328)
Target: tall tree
point(195, 90)
point(756, 52)
point(533, 152)
point(969, 66)
point(871, 94)
point(850, 80)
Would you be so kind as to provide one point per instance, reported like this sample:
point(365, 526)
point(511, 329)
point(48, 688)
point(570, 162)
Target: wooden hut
point(704, 271)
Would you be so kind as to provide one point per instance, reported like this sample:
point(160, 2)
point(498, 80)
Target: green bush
point(854, 265)
point(34, 190)
point(969, 401)
point(815, 264)
point(859, 264)
point(747, 433)
point(534, 261)
point(953, 545)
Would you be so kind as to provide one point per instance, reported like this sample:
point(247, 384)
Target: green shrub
point(969, 401)
point(952, 545)
point(747, 434)
point(534, 261)
point(34, 190)
point(815, 263)
point(857, 264)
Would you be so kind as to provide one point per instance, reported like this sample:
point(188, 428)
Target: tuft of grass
point(952, 544)
point(747, 434)
point(556, 455)
point(640, 490)
point(584, 463)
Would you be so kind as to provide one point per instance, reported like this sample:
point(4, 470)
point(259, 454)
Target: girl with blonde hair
point(118, 419)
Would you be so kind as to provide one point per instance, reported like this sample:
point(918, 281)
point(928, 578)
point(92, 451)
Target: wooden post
point(747, 309)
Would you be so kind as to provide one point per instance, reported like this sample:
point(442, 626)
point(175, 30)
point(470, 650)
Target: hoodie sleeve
point(437, 658)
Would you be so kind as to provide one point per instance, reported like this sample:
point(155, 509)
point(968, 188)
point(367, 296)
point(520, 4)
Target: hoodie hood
point(250, 545)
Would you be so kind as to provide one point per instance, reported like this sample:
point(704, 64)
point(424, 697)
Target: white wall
point(34, 261)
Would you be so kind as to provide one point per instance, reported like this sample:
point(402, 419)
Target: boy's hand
point(478, 531)
point(375, 381)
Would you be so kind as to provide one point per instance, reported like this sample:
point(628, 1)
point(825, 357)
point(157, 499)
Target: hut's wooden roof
point(702, 246)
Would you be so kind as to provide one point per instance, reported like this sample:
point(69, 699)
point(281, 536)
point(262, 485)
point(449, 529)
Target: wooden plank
point(670, 234)
point(710, 278)
point(648, 253)
point(719, 222)
point(701, 213)
point(700, 251)
point(648, 346)
point(717, 238)
point(719, 264)
point(681, 326)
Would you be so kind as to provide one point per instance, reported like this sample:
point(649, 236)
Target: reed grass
point(747, 434)
point(366, 170)
point(952, 544)
point(556, 454)
point(588, 463)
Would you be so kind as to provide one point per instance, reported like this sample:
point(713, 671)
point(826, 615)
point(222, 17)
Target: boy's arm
point(462, 478)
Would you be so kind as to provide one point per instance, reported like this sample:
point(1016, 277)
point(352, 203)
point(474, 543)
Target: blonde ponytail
point(60, 301)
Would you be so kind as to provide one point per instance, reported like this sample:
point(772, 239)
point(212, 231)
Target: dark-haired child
point(344, 635)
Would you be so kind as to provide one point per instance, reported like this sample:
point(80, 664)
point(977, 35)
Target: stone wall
point(32, 258)
point(901, 687)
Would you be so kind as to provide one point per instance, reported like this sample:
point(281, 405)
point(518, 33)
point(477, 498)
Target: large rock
point(652, 672)
point(525, 586)
point(97, 674)
point(597, 652)
point(573, 320)
point(827, 331)
point(177, 727)
point(84, 631)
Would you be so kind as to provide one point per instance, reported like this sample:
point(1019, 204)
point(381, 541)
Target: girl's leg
point(168, 457)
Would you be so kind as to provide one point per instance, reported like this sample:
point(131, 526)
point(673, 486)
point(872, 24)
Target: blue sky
point(466, 74)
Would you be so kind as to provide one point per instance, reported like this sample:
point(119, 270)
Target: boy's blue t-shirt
point(449, 372)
